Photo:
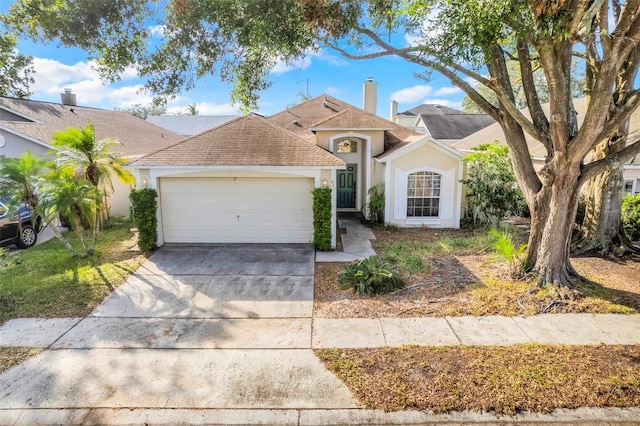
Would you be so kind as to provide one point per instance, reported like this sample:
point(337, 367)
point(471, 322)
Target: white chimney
point(68, 98)
point(393, 112)
point(370, 95)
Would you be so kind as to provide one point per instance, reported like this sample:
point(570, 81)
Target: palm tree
point(81, 153)
point(77, 199)
point(21, 176)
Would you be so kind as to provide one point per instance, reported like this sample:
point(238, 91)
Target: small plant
point(376, 204)
point(630, 217)
point(506, 249)
point(370, 276)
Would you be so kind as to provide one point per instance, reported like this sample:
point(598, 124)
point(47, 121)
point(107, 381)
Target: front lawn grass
point(45, 281)
point(501, 380)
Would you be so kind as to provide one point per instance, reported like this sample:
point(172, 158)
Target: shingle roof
point(135, 135)
point(431, 109)
point(300, 118)
point(352, 119)
point(455, 126)
point(536, 149)
point(250, 140)
point(189, 125)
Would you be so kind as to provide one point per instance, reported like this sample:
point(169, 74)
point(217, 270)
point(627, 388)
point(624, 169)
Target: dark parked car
point(18, 224)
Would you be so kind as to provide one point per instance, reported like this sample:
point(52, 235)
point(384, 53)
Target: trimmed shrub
point(321, 219)
point(143, 215)
point(630, 217)
point(370, 276)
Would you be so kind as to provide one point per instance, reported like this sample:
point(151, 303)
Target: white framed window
point(628, 186)
point(423, 194)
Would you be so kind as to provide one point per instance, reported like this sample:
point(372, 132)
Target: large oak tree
point(469, 42)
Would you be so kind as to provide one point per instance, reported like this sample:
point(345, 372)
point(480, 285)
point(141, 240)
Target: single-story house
point(27, 125)
point(249, 180)
point(631, 170)
point(442, 123)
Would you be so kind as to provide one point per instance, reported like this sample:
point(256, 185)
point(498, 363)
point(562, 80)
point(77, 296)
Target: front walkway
point(356, 243)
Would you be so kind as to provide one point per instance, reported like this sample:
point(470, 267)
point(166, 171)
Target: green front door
point(347, 187)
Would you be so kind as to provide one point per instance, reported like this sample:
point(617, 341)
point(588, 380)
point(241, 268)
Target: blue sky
point(326, 72)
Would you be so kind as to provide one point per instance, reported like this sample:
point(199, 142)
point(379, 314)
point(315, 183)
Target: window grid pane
point(423, 194)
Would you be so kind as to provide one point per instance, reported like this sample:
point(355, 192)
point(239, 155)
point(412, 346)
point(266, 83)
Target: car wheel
point(28, 237)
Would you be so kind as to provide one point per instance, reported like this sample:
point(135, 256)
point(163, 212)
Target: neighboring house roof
point(430, 109)
point(494, 133)
point(455, 126)
point(302, 117)
point(189, 125)
point(251, 140)
point(40, 120)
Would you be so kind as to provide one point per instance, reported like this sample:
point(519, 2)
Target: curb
point(307, 417)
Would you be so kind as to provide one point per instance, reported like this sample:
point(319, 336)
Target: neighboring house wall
point(632, 179)
point(119, 198)
point(16, 145)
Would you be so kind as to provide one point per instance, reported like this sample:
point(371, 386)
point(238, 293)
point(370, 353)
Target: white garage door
point(236, 210)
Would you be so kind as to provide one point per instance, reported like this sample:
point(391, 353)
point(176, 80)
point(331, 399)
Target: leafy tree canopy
point(144, 111)
point(16, 69)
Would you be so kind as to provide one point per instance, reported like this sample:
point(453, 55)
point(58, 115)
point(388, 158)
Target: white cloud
point(447, 90)
point(283, 66)
point(412, 94)
point(52, 77)
point(158, 31)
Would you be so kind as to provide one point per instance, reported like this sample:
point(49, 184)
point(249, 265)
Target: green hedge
point(143, 214)
point(321, 219)
point(630, 216)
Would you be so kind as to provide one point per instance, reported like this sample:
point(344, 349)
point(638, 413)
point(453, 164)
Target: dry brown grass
point(459, 275)
point(501, 380)
point(14, 356)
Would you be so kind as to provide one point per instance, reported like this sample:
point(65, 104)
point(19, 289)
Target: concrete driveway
point(216, 327)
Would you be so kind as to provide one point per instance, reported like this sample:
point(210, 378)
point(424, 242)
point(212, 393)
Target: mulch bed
point(477, 284)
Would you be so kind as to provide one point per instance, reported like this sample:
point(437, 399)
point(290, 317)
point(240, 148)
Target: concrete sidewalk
point(305, 333)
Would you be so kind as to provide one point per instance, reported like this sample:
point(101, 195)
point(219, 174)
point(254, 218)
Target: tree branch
point(368, 55)
point(409, 56)
point(538, 117)
point(623, 113)
point(609, 162)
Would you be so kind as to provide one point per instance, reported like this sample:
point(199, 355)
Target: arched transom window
point(423, 194)
point(347, 146)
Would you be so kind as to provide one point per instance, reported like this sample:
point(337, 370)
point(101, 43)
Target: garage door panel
point(243, 210)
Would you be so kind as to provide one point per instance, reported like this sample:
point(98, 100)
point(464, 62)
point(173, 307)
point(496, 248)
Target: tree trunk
point(552, 215)
point(58, 233)
point(601, 224)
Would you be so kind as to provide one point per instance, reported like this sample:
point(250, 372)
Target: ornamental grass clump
point(370, 276)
